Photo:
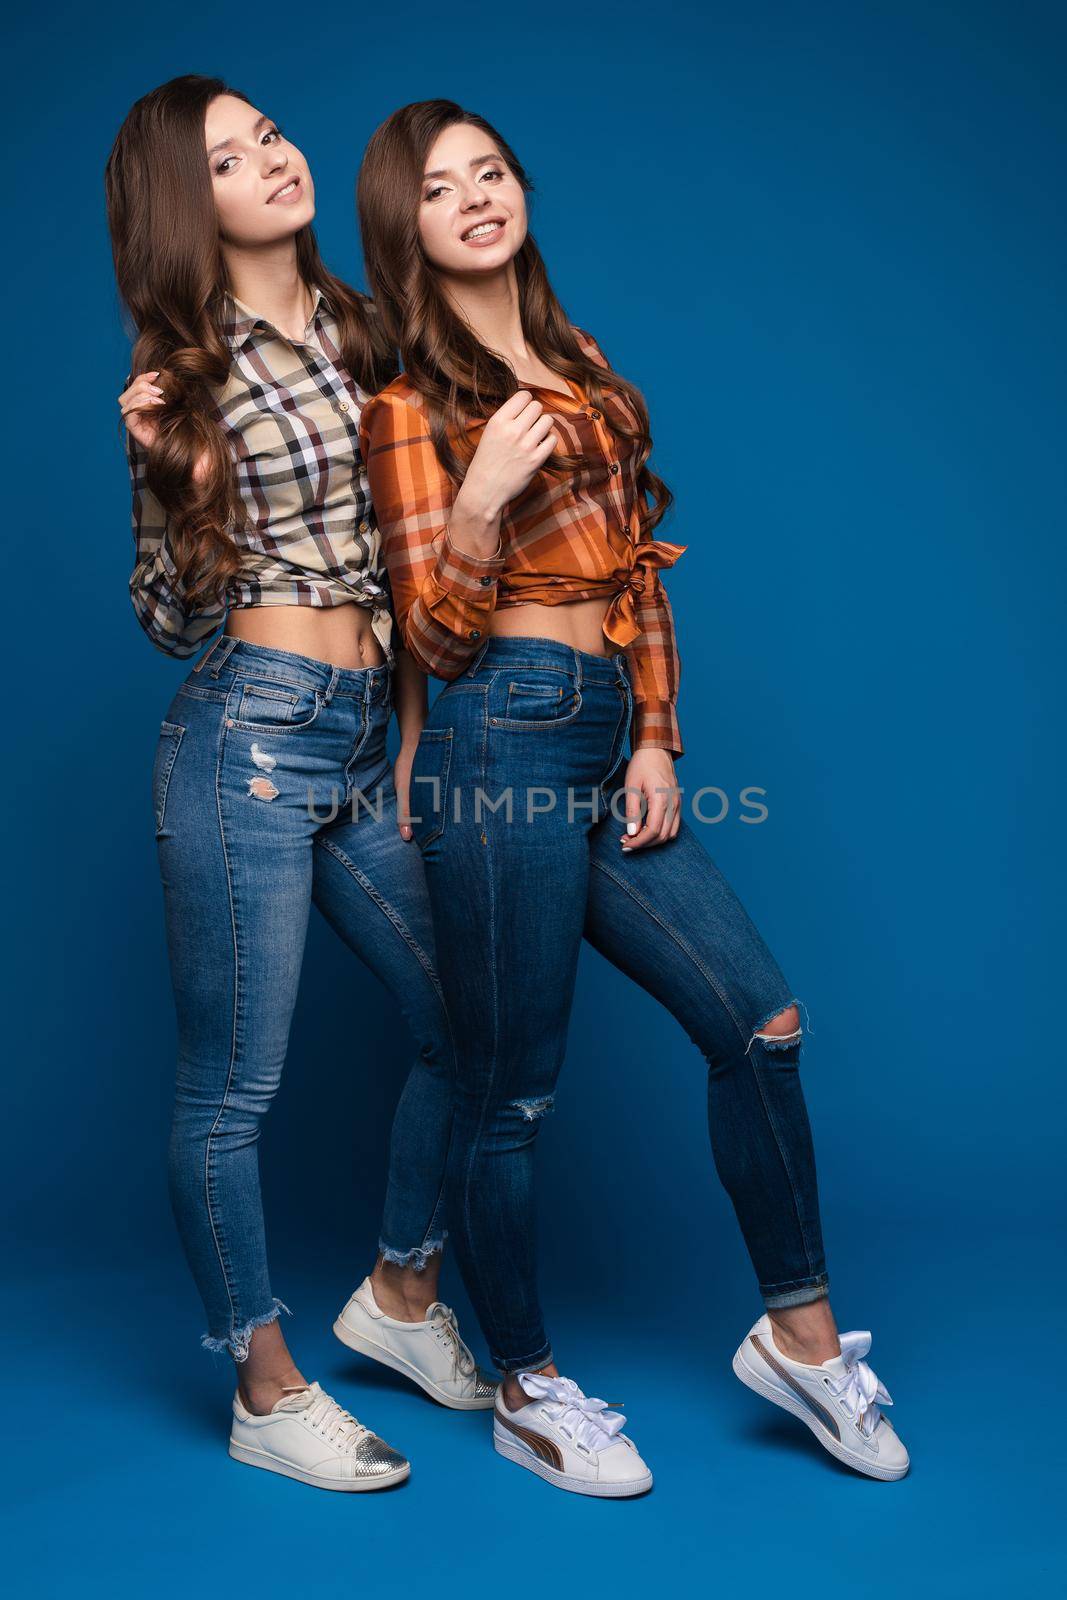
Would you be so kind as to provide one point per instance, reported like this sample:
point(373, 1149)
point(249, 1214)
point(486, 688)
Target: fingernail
point(631, 827)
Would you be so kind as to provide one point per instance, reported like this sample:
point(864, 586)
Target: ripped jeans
point(258, 747)
point(513, 897)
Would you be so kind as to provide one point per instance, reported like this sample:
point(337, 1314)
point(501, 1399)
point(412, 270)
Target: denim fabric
point(512, 900)
point(258, 749)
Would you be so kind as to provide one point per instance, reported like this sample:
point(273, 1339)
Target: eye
point(431, 194)
point(271, 133)
point(224, 165)
point(493, 172)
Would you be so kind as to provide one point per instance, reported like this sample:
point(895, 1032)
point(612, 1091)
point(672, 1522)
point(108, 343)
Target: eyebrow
point(224, 142)
point(442, 172)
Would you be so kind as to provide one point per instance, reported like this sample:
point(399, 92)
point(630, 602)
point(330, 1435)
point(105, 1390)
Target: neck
point(268, 280)
point(491, 306)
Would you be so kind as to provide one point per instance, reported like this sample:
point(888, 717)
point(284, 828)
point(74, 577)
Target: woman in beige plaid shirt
point(250, 366)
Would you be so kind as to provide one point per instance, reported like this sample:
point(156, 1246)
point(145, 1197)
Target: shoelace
point(860, 1389)
point(336, 1425)
point(447, 1332)
point(587, 1419)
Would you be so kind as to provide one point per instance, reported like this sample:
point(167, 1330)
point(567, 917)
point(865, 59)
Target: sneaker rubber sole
point(269, 1463)
point(793, 1404)
point(563, 1480)
point(407, 1369)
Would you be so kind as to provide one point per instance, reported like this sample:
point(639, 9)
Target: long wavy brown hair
point(172, 278)
point(460, 379)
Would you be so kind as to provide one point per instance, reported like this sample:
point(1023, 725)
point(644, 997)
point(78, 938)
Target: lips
point(485, 231)
point(286, 192)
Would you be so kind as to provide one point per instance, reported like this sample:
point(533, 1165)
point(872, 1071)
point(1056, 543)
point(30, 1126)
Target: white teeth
point(481, 229)
point(289, 187)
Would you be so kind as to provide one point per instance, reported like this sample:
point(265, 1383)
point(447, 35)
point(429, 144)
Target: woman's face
point(261, 183)
point(472, 215)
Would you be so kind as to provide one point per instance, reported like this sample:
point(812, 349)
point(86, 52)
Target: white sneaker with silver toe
point(308, 1436)
point(430, 1353)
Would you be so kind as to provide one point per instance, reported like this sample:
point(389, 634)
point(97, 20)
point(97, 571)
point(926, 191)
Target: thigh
point(236, 873)
point(370, 885)
point(508, 886)
point(668, 918)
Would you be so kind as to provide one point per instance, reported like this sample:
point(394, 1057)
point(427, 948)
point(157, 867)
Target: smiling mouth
point(285, 191)
point(483, 230)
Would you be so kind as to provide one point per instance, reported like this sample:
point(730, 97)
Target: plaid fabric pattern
point(560, 542)
point(291, 415)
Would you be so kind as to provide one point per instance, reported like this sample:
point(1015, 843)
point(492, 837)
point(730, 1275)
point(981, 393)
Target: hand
point(137, 403)
point(650, 777)
point(516, 442)
point(402, 779)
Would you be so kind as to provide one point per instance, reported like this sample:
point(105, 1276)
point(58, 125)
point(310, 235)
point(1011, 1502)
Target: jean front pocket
point(170, 738)
point(428, 800)
point(537, 699)
point(273, 707)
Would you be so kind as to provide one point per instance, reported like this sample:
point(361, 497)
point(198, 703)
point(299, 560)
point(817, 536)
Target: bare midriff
point(580, 623)
point(339, 635)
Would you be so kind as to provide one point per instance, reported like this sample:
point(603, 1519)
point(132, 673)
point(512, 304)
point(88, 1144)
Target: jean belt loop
point(209, 652)
point(226, 648)
point(577, 670)
point(331, 688)
point(476, 658)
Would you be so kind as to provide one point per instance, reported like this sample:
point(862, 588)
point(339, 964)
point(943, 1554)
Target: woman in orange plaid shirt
point(508, 466)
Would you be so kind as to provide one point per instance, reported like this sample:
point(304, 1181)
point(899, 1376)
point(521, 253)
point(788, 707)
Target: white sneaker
point(569, 1439)
point(430, 1353)
point(838, 1400)
point(307, 1435)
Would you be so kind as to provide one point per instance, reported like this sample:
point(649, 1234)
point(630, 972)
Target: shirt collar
point(240, 322)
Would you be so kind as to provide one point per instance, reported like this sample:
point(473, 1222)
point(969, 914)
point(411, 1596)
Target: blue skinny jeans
point(257, 763)
point(514, 889)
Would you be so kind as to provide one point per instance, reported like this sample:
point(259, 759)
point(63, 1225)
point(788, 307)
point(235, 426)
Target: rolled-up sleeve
point(444, 597)
point(155, 588)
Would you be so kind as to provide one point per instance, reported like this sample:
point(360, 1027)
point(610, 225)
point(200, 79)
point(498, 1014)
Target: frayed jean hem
point(237, 1341)
point(419, 1257)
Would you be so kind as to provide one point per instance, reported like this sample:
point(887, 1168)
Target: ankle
point(402, 1293)
point(260, 1392)
point(806, 1334)
point(512, 1391)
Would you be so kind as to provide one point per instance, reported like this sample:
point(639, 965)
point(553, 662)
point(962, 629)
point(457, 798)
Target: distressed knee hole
point(533, 1110)
point(780, 1031)
point(784, 1025)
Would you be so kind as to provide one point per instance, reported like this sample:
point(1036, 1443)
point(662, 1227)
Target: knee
point(781, 1032)
point(784, 1026)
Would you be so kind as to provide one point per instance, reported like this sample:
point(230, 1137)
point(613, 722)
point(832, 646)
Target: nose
point(474, 199)
point(276, 159)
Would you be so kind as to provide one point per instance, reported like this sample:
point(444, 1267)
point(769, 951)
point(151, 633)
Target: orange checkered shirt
point(580, 539)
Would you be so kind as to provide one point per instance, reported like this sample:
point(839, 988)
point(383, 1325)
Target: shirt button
point(614, 468)
point(364, 527)
point(595, 415)
point(473, 633)
point(342, 405)
point(485, 582)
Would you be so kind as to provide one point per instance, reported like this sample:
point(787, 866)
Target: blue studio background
point(828, 241)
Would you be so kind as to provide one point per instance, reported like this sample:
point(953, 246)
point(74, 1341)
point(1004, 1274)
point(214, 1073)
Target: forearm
point(409, 697)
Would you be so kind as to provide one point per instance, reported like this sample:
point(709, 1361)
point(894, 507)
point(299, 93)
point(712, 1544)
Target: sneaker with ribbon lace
point(306, 1435)
point(431, 1353)
point(570, 1439)
point(840, 1401)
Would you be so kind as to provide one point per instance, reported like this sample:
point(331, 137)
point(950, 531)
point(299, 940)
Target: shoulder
point(397, 407)
point(589, 346)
